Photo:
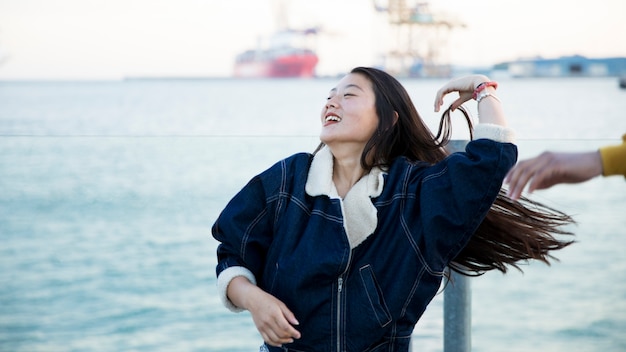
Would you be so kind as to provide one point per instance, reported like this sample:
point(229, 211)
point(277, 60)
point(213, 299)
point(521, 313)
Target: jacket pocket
point(375, 295)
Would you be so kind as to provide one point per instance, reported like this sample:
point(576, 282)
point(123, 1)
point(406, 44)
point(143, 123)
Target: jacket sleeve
point(244, 230)
point(614, 159)
point(456, 194)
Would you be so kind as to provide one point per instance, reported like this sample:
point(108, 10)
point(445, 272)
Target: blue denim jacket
point(365, 296)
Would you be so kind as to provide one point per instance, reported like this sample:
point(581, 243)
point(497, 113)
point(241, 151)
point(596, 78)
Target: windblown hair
point(512, 231)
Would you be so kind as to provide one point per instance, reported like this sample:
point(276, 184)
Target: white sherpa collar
point(360, 215)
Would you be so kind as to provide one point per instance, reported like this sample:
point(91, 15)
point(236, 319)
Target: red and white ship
point(283, 58)
point(276, 63)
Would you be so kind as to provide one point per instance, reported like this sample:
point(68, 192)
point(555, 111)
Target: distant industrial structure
point(565, 66)
point(418, 41)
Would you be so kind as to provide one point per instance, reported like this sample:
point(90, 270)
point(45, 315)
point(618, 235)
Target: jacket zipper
point(340, 301)
point(340, 287)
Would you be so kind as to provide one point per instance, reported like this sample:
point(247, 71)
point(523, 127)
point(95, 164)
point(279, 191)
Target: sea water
point(108, 191)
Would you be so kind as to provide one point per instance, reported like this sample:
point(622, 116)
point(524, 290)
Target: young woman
point(343, 249)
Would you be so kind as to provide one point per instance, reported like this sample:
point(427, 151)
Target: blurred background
point(126, 126)
point(113, 39)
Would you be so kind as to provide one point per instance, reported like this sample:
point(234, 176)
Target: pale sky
point(112, 39)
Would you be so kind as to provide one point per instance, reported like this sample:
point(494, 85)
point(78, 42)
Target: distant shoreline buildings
point(565, 66)
point(536, 67)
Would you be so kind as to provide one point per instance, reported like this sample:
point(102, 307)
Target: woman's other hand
point(271, 316)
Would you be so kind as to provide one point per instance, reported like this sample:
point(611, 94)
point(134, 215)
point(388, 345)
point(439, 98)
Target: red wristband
point(482, 86)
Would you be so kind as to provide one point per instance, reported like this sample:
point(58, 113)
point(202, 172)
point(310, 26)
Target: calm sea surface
point(108, 191)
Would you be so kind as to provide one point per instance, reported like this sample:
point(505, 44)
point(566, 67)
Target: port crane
point(418, 45)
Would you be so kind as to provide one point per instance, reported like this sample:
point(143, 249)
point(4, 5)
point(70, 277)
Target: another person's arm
point(614, 159)
point(551, 168)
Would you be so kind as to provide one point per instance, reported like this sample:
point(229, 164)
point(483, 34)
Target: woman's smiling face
point(349, 115)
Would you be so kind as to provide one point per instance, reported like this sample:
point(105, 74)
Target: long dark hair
point(512, 231)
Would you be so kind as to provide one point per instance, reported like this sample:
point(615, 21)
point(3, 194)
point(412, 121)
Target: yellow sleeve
point(614, 159)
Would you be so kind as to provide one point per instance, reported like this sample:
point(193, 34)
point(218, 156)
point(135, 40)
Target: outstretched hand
point(550, 168)
point(464, 86)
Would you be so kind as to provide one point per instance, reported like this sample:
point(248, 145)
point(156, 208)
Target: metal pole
point(457, 313)
point(457, 300)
